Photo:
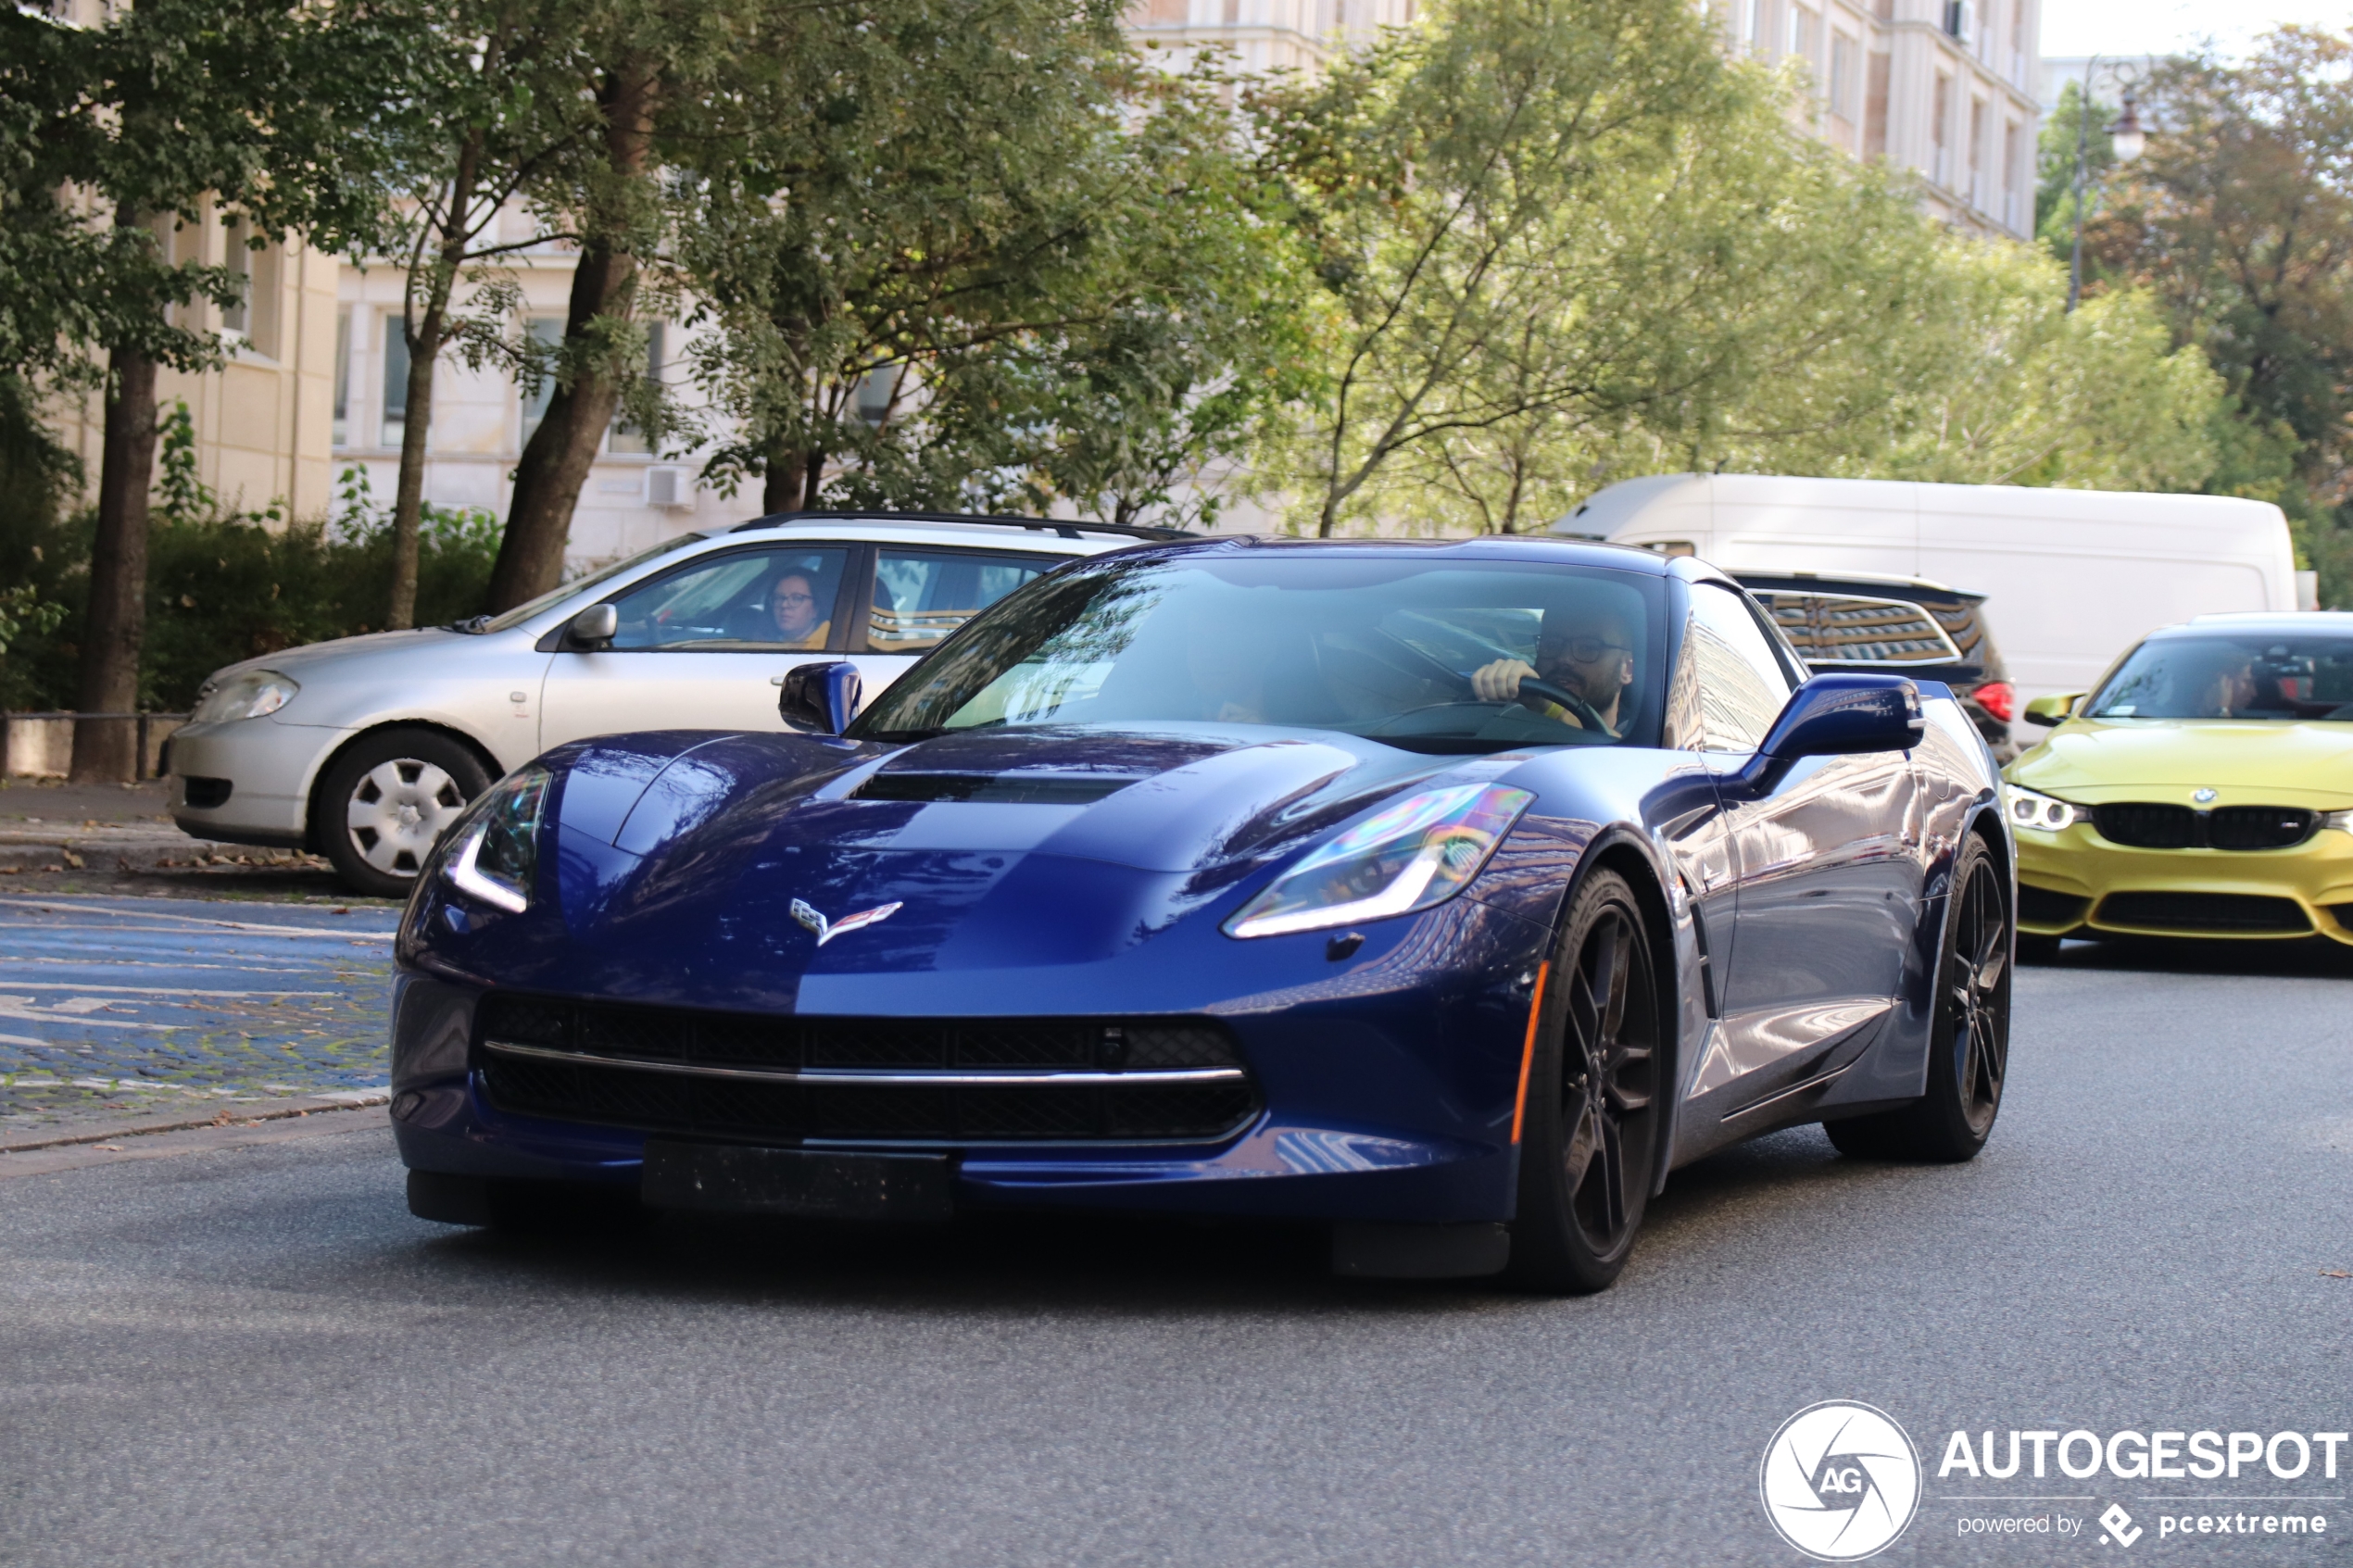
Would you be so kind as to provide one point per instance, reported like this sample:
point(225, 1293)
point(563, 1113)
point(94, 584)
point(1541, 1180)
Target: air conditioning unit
point(670, 486)
point(1960, 21)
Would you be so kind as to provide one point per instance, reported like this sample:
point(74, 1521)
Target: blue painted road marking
point(118, 1005)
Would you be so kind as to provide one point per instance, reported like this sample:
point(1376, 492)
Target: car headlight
point(493, 853)
point(1420, 851)
point(2029, 810)
point(2340, 820)
point(248, 695)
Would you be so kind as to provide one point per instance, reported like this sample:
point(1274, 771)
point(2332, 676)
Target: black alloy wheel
point(1589, 1146)
point(1969, 1043)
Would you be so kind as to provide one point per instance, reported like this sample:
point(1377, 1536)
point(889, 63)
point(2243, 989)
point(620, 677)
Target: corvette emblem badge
point(2203, 796)
point(828, 930)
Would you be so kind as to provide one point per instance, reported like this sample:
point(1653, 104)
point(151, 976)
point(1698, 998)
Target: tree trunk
point(781, 486)
point(424, 351)
point(408, 499)
point(556, 461)
point(114, 628)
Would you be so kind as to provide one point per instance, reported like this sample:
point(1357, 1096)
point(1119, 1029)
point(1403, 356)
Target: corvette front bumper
point(2075, 882)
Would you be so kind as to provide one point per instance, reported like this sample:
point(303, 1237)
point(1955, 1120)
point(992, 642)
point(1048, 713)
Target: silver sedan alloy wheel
point(398, 809)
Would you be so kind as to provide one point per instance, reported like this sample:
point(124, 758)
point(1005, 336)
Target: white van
point(2072, 577)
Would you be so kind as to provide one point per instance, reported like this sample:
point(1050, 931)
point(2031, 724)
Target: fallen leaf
point(109, 1148)
point(2336, 1274)
point(73, 860)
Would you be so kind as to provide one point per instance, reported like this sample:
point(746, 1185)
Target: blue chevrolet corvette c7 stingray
point(1453, 894)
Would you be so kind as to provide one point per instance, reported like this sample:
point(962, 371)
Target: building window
point(341, 435)
point(1939, 120)
point(544, 332)
point(396, 420)
point(1844, 56)
point(1875, 89)
point(623, 437)
point(1978, 196)
point(1804, 29)
point(2011, 163)
point(238, 258)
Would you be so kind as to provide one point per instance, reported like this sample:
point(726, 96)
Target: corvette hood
point(1049, 846)
point(2246, 762)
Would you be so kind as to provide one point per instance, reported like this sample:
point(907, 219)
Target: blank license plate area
point(812, 1183)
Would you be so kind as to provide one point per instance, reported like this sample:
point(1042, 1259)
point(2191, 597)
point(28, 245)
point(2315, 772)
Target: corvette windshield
point(1429, 655)
point(2249, 675)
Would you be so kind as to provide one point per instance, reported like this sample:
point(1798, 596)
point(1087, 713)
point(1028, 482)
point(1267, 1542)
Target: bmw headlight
point(1420, 851)
point(248, 695)
point(2029, 810)
point(2340, 820)
point(493, 853)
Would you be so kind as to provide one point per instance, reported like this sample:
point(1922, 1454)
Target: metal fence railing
point(41, 745)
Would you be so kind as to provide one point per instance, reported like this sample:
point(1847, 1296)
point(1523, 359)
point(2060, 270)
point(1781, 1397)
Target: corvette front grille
point(2138, 824)
point(875, 1079)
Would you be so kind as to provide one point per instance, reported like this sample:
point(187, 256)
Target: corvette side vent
point(998, 790)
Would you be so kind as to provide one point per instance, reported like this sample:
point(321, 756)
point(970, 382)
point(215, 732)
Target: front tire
point(1970, 1043)
point(1589, 1149)
point(386, 800)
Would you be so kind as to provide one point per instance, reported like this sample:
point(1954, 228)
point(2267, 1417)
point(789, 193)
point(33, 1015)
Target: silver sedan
point(364, 749)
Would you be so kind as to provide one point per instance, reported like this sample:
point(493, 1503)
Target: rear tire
point(1588, 1148)
point(387, 800)
point(1969, 1042)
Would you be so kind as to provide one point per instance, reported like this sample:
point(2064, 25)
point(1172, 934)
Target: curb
point(245, 1114)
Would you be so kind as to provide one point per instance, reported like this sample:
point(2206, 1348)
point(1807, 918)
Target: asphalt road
point(253, 1356)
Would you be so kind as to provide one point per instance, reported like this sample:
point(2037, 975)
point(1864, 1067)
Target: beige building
point(1265, 35)
point(261, 421)
point(1942, 87)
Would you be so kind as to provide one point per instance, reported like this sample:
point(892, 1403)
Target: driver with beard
point(1591, 659)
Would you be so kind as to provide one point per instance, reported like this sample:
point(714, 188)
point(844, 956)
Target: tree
point(490, 114)
point(173, 111)
point(983, 257)
point(1431, 176)
point(655, 79)
point(2238, 219)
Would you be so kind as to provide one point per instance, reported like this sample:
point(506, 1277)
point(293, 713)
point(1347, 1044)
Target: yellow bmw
point(2204, 788)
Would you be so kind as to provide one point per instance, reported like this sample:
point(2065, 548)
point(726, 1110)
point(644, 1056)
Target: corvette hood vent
point(1001, 789)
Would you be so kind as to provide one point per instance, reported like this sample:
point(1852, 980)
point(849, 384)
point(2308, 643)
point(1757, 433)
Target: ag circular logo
point(1840, 1480)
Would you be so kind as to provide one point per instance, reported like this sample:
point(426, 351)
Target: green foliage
point(2054, 157)
point(181, 496)
point(222, 587)
point(1063, 296)
point(2238, 222)
point(1451, 186)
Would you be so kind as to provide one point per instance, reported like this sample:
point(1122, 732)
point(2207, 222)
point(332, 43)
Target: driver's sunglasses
point(1585, 650)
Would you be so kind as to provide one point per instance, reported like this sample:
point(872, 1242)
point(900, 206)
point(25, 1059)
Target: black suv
point(1896, 625)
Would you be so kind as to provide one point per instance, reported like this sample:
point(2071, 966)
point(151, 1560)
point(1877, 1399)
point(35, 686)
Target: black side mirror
point(1838, 715)
point(591, 629)
point(822, 698)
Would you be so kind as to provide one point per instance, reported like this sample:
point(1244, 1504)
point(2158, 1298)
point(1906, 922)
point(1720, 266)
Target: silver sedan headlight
point(248, 695)
point(2048, 813)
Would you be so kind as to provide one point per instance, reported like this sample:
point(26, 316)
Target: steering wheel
point(1576, 706)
